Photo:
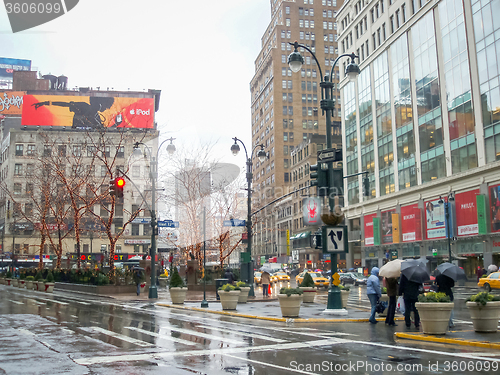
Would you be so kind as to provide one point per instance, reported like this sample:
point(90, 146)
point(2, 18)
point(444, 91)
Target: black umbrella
point(451, 270)
point(415, 271)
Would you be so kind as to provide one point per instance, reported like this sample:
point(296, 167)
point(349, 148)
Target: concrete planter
point(484, 317)
point(243, 298)
point(384, 298)
point(434, 316)
point(290, 306)
point(29, 284)
point(309, 294)
point(14, 282)
point(163, 281)
point(21, 283)
point(8, 281)
point(40, 286)
point(229, 300)
point(178, 295)
point(49, 287)
point(344, 295)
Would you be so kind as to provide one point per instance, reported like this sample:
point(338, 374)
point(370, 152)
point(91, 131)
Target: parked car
point(492, 281)
point(318, 278)
point(256, 277)
point(352, 278)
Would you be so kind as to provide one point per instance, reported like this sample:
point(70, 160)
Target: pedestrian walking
point(265, 279)
point(479, 273)
point(392, 293)
point(410, 290)
point(445, 284)
point(138, 280)
point(373, 291)
point(229, 276)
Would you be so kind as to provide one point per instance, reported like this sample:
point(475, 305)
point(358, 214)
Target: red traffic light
point(120, 182)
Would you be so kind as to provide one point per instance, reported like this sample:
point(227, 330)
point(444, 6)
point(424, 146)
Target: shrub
point(38, 276)
point(307, 282)
point(176, 279)
point(242, 284)
point(102, 279)
point(483, 298)
point(228, 288)
point(50, 277)
point(30, 278)
point(22, 276)
point(346, 288)
point(290, 291)
point(8, 275)
point(433, 297)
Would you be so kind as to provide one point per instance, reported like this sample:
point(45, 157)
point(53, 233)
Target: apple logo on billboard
point(132, 112)
point(26, 15)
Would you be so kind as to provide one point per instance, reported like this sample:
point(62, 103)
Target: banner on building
point(288, 242)
point(396, 233)
point(482, 217)
point(495, 208)
point(435, 220)
point(311, 209)
point(387, 226)
point(466, 213)
point(411, 224)
point(376, 231)
point(88, 112)
point(369, 240)
point(11, 102)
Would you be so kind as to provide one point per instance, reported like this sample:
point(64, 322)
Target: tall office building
point(423, 119)
point(286, 110)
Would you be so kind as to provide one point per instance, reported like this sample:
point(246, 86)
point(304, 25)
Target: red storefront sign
point(466, 213)
point(369, 240)
point(411, 223)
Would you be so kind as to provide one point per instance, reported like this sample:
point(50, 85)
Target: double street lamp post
point(246, 258)
point(449, 232)
point(327, 104)
point(153, 161)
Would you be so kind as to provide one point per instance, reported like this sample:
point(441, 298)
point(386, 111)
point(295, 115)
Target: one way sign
point(335, 239)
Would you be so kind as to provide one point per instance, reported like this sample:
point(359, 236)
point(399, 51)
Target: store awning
point(300, 236)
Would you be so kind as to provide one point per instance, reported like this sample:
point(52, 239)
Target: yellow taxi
point(280, 276)
point(318, 278)
point(492, 281)
point(256, 277)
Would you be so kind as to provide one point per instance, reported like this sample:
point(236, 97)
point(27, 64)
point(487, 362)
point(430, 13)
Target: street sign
point(234, 223)
point(141, 220)
point(330, 154)
point(335, 239)
point(168, 224)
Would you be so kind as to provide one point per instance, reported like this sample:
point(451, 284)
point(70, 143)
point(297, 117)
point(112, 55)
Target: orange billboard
point(11, 102)
point(88, 112)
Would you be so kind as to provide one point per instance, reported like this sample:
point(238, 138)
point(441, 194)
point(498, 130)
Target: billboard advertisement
point(387, 226)
point(7, 68)
point(369, 240)
point(495, 208)
point(411, 224)
point(11, 102)
point(435, 220)
point(88, 112)
point(311, 209)
point(466, 213)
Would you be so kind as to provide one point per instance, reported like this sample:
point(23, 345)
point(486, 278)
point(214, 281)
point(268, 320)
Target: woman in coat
point(373, 291)
point(265, 280)
point(392, 292)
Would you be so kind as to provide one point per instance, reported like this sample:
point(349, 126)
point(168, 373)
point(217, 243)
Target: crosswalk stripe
point(163, 337)
point(243, 333)
point(17, 302)
point(204, 335)
point(38, 303)
point(52, 300)
point(120, 337)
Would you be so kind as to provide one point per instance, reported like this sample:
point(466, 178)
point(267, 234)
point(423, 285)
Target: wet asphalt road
point(80, 334)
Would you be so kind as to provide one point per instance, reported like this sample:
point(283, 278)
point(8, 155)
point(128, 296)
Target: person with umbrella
point(373, 291)
point(446, 275)
point(392, 292)
point(413, 274)
point(265, 279)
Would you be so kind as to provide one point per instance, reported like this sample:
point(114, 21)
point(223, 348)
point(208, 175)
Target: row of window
point(77, 150)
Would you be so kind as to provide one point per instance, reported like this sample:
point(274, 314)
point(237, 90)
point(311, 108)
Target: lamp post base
point(334, 298)
point(204, 303)
point(153, 291)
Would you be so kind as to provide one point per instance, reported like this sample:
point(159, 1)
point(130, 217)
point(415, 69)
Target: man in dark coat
point(229, 276)
point(410, 290)
point(445, 284)
point(392, 292)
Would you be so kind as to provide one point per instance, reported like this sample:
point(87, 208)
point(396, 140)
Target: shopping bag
point(400, 306)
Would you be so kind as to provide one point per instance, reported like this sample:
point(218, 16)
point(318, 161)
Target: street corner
point(462, 338)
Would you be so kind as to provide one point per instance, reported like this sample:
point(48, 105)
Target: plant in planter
point(229, 295)
point(8, 278)
point(177, 289)
point(290, 300)
point(307, 286)
point(163, 279)
point(434, 310)
point(344, 295)
point(49, 283)
point(22, 280)
point(29, 282)
point(245, 288)
point(484, 311)
point(40, 282)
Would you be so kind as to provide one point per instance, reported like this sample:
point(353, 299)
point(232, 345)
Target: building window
point(403, 12)
point(18, 169)
point(19, 149)
point(17, 188)
point(120, 152)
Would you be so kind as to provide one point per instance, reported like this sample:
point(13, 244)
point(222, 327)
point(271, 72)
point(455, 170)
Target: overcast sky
point(200, 54)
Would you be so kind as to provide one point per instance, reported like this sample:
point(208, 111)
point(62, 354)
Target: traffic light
point(319, 179)
point(119, 185)
point(366, 186)
point(112, 187)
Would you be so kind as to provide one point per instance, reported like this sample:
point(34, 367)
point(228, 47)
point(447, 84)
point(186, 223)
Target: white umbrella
point(492, 268)
point(391, 269)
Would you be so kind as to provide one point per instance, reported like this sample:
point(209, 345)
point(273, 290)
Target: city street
point(68, 333)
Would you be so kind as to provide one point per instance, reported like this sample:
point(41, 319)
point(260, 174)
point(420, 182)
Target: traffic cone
point(269, 289)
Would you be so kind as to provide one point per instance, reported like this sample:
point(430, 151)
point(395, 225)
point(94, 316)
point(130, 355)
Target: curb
point(463, 342)
point(288, 320)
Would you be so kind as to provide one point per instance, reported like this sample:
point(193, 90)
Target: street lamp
point(247, 257)
point(450, 198)
point(153, 161)
point(295, 61)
